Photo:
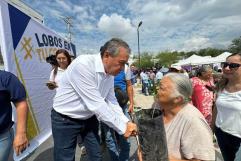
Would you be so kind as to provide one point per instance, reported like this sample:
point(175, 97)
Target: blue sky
point(181, 25)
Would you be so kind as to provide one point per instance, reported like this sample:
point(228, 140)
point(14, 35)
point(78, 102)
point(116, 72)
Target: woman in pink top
point(203, 95)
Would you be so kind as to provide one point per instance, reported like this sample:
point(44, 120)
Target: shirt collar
point(60, 69)
point(99, 67)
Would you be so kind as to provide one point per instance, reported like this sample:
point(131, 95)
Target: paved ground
point(45, 151)
point(141, 100)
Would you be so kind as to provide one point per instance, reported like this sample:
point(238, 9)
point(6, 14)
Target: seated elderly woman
point(189, 137)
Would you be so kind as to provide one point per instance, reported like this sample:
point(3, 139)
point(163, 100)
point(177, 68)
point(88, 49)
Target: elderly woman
point(203, 95)
point(189, 137)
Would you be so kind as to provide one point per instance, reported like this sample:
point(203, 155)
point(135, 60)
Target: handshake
point(131, 130)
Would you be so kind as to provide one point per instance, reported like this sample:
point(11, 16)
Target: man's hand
point(131, 130)
point(20, 143)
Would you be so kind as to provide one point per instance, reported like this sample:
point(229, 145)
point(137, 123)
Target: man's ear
point(106, 55)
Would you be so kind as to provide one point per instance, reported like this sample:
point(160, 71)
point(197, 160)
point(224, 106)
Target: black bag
point(121, 96)
point(152, 135)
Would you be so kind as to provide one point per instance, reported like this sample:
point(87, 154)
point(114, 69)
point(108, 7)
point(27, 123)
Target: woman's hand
point(51, 85)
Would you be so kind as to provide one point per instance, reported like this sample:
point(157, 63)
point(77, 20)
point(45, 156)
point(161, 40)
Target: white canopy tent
point(199, 60)
point(220, 58)
point(193, 60)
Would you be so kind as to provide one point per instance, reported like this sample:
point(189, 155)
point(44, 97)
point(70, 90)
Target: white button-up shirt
point(86, 90)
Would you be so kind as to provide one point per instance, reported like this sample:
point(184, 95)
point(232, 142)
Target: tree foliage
point(210, 52)
point(167, 58)
point(235, 46)
point(146, 60)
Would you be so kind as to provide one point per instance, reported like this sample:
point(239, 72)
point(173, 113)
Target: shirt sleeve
point(15, 88)
point(112, 102)
point(197, 141)
point(83, 80)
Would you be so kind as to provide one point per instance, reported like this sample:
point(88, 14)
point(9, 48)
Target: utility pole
point(139, 54)
point(68, 21)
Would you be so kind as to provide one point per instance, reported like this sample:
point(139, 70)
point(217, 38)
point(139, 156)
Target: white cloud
point(196, 43)
point(116, 25)
point(167, 24)
point(173, 22)
point(78, 9)
point(65, 6)
point(84, 27)
point(55, 13)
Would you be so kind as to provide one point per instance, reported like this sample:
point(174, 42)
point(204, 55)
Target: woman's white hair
point(183, 86)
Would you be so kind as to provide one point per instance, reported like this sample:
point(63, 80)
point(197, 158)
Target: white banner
point(25, 45)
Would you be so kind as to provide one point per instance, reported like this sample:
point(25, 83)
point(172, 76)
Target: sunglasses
point(230, 65)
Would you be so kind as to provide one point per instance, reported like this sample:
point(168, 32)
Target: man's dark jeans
point(65, 131)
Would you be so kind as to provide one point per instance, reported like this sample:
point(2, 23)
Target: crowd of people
point(216, 95)
point(95, 93)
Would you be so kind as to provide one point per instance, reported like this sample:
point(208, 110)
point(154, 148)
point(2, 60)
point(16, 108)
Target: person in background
point(227, 112)
point(164, 70)
point(63, 60)
point(189, 137)
point(175, 69)
point(60, 61)
point(159, 76)
point(86, 96)
point(123, 81)
point(142, 74)
point(151, 82)
point(134, 74)
point(145, 81)
point(12, 90)
point(152, 76)
point(118, 145)
point(203, 92)
point(184, 71)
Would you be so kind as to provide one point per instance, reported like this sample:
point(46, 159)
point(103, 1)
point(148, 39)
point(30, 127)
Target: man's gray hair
point(183, 86)
point(112, 47)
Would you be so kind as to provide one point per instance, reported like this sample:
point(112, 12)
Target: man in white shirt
point(85, 94)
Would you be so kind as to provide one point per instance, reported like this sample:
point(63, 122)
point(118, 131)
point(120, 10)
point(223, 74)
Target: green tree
point(167, 58)
point(190, 53)
point(210, 52)
point(235, 46)
point(146, 60)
